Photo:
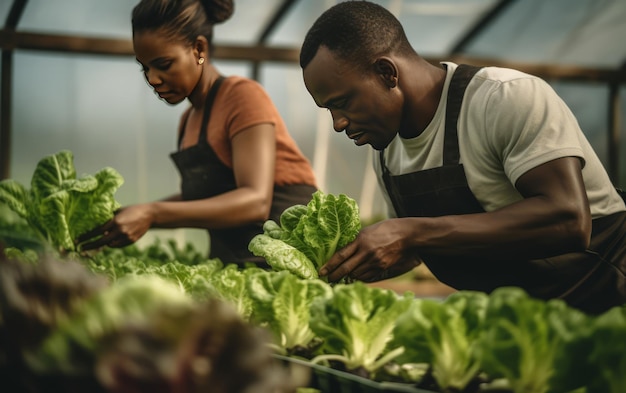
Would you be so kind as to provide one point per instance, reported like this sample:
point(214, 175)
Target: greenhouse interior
point(163, 312)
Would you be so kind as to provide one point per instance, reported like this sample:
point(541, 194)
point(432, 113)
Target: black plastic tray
point(329, 380)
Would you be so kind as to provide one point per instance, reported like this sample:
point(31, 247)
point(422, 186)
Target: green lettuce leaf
point(357, 324)
point(518, 342)
point(282, 256)
point(281, 302)
point(444, 334)
point(308, 236)
point(15, 196)
point(59, 206)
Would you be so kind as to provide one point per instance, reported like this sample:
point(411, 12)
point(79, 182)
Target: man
point(489, 179)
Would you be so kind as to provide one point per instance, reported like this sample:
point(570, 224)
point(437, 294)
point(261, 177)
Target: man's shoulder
point(500, 78)
point(503, 74)
point(493, 73)
point(499, 85)
point(490, 80)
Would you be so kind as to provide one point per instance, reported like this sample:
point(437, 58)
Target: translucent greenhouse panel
point(5, 6)
point(247, 22)
point(579, 32)
point(292, 28)
point(432, 27)
point(435, 27)
point(110, 18)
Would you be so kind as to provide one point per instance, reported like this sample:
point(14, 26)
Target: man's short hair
point(358, 31)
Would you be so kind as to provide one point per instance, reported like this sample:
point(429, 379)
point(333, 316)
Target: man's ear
point(387, 70)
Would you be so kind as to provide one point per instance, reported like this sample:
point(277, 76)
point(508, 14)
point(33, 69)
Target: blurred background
point(69, 80)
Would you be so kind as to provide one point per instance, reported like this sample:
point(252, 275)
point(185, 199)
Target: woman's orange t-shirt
point(241, 103)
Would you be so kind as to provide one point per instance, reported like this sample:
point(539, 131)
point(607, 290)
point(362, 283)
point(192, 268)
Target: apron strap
point(208, 104)
point(207, 109)
point(460, 79)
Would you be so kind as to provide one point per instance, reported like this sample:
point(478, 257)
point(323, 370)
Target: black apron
point(203, 175)
point(593, 281)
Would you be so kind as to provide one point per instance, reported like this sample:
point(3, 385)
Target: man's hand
point(378, 253)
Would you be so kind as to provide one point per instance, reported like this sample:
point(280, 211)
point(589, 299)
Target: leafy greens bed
point(66, 313)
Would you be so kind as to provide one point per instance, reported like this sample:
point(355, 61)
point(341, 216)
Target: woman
point(238, 164)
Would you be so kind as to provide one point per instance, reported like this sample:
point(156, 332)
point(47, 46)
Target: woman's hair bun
point(218, 11)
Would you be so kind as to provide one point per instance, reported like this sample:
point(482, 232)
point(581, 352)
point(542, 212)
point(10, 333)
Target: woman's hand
point(127, 226)
point(376, 254)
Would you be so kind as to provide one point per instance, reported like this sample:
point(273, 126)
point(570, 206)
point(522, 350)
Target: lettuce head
point(60, 206)
point(307, 236)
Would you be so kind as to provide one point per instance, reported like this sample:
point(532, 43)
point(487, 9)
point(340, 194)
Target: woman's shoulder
point(241, 83)
point(239, 90)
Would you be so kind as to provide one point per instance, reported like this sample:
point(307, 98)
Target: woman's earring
point(201, 60)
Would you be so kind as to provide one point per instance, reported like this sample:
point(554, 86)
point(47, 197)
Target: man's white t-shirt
point(510, 122)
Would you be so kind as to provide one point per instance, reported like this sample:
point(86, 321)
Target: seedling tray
point(329, 380)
